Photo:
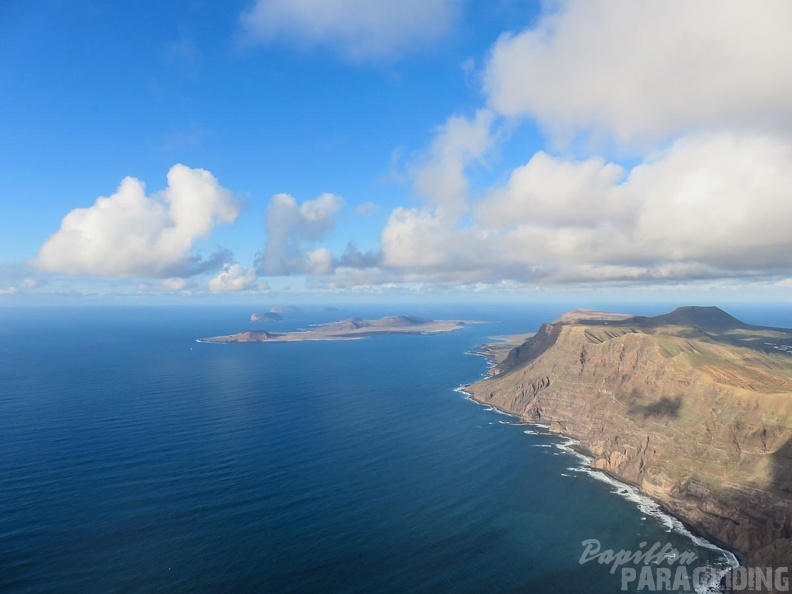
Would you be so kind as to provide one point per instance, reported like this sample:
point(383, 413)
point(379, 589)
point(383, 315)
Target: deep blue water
point(133, 459)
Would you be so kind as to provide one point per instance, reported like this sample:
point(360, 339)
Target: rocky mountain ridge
point(694, 407)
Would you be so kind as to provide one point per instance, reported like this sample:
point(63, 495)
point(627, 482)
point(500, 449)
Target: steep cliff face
point(531, 348)
point(677, 406)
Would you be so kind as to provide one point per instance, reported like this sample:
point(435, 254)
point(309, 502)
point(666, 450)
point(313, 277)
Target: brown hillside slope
point(693, 408)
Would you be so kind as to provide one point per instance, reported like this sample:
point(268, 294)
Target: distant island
point(694, 407)
point(349, 329)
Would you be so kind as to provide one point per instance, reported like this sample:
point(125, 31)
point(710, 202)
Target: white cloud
point(639, 72)
point(8, 291)
point(290, 226)
point(556, 192)
point(358, 29)
point(166, 285)
point(442, 177)
point(234, 277)
point(354, 258)
point(710, 85)
point(712, 205)
point(29, 283)
point(134, 235)
point(319, 261)
point(722, 199)
point(416, 240)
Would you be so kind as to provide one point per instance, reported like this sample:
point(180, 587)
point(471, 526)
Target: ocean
point(133, 459)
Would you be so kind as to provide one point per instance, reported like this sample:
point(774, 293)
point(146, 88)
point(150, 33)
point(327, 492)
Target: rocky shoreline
point(697, 425)
point(586, 458)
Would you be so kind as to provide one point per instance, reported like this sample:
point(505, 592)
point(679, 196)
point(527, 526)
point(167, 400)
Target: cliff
point(694, 407)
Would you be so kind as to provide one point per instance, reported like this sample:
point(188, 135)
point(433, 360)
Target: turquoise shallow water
point(133, 459)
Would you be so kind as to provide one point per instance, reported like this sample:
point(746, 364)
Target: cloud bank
point(715, 205)
point(702, 94)
point(234, 277)
point(130, 234)
point(441, 176)
point(641, 72)
point(292, 229)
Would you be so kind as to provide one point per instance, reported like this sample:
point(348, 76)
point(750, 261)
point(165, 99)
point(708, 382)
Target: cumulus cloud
point(319, 261)
point(722, 199)
point(291, 229)
point(353, 257)
point(712, 205)
point(553, 191)
point(130, 234)
point(703, 92)
point(639, 72)
point(710, 86)
point(441, 177)
point(8, 291)
point(234, 277)
point(358, 29)
point(420, 240)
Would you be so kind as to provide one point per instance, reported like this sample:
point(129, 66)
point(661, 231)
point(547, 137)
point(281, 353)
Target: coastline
point(694, 530)
point(585, 457)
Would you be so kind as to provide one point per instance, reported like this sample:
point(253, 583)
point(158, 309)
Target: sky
point(338, 150)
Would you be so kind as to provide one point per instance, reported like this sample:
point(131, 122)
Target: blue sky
point(470, 150)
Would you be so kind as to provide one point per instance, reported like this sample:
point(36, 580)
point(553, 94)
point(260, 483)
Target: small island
point(349, 329)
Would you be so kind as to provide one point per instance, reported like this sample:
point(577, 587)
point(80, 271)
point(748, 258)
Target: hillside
point(694, 407)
